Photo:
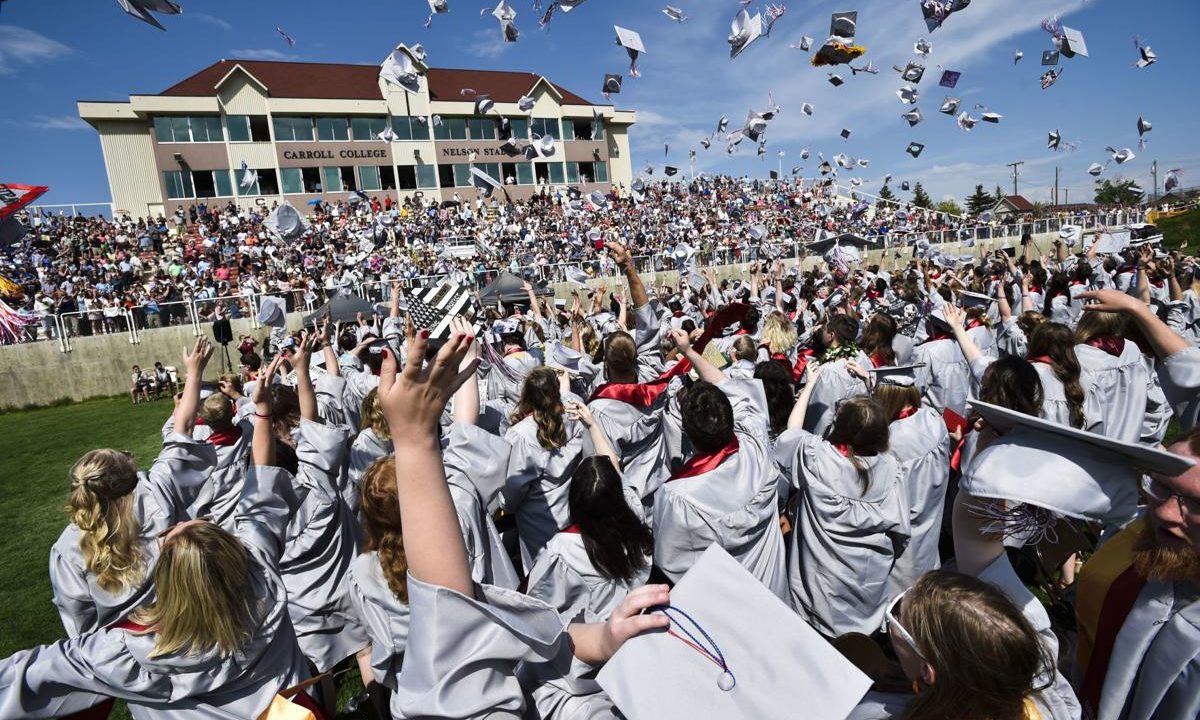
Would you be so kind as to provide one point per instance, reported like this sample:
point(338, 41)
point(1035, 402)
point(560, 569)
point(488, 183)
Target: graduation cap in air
point(904, 185)
point(1146, 56)
point(576, 276)
point(544, 146)
point(249, 177)
point(744, 29)
point(1172, 179)
point(1095, 169)
point(795, 169)
point(632, 42)
point(844, 24)
point(805, 154)
point(949, 78)
point(914, 149)
point(856, 182)
point(908, 95)
point(1061, 469)
point(506, 15)
point(806, 108)
point(525, 104)
point(836, 80)
point(705, 143)
point(805, 44)
point(612, 84)
point(398, 69)
point(1049, 78)
point(388, 135)
point(972, 299)
point(718, 602)
point(991, 117)
point(922, 47)
point(272, 311)
point(912, 72)
point(513, 147)
point(141, 10)
point(937, 11)
point(1050, 57)
point(1121, 156)
point(1143, 126)
point(484, 183)
point(670, 171)
point(598, 199)
point(483, 104)
point(1053, 140)
point(913, 116)
point(825, 168)
point(845, 133)
point(1071, 43)
point(674, 13)
point(965, 121)
point(1017, 56)
point(949, 106)
point(286, 222)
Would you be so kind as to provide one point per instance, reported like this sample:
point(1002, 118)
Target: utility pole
point(1067, 196)
point(1056, 171)
point(1016, 174)
point(1154, 174)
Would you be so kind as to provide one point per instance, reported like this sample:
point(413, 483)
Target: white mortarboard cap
point(922, 47)
point(1146, 56)
point(973, 299)
point(991, 117)
point(1122, 156)
point(744, 30)
point(486, 184)
point(856, 182)
point(804, 154)
point(272, 311)
point(598, 199)
point(674, 13)
point(913, 116)
point(544, 146)
point(656, 675)
point(908, 95)
point(914, 149)
point(696, 281)
point(758, 233)
point(949, 106)
point(1095, 169)
point(285, 222)
point(1072, 43)
point(439, 6)
point(913, 72)
point(141, 10)
point(844, 24)
point(805, 43)
point(483, 104)
point(902, 375)
point(561, 356)
point(1143, 126)
point(1050, 57)
point(1017, 56)
point(525, 103)
point(1068, 471)
point(398, 69)
point(965, 121)
point(632, 42)
point(576, 276)
point(505, 14)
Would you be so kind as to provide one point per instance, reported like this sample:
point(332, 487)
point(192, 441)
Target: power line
point(1016, 174)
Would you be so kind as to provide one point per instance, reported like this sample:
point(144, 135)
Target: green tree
point(980, 201)
point(1118, 192)
point(998, 195)
point(885, 193)
point(949, 207)
point(920, 197)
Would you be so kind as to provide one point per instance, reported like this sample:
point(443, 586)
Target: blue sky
point(53, 52)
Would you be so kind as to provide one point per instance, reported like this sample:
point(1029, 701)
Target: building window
point(182, 129)
point(462, 175)
point(588, 172)
point(293, 129)
point(179, 184)
point(546, 126)
point(482, 129)
point(333, 129)
point(406, 177)
point(293, 181)
point(520, 128)
point(368, 178)
point(556, 174)
point(572, 172)
point(331, 179)
point(453, 128)
point(248, 128)
point(223, 182)
point(426, 176)
point(267, 184)
point(367, 128)
point(541, 173)
point(446, 175)
point(402, 126)
point(524, 173)
point(349, 180)
point(600, 170)
point(581, 130)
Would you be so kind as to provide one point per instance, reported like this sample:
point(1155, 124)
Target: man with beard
point(1138, 606)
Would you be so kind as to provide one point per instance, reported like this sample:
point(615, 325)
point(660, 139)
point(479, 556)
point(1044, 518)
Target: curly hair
point(1056, 341)
point(541, 398)
point(381, 524)
point(101, 506)
point(779, 334)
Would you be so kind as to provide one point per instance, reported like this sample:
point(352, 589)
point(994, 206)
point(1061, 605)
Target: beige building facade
point(310, 130)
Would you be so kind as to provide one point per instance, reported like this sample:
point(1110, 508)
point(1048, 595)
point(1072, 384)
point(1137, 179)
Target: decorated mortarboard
point(696, 281)
point(711, 662)
point(398, 69)
point(272, 311)
point(914, 149)
point(949, 106)
point(1049, 78)
point(965, 121)
point(1143, 126)
point(1061, 469)
point(901, 375)
point(1121, 156)
point(913, 116)
point(744, 29)
point(937, 11)
point(912, 72)
point(949, 78)
point(1072, 43)
point(632, 42)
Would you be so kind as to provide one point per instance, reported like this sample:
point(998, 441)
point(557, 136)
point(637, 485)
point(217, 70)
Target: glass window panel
point(204, 183)
point(402, 128)
point(441, 132)
point(568, 129)
point(260, 130)
point(446, 175)
point(426, 176)
point(180, 129)
point(312, 179)
point(572, 172)
point(462, 175)
point(368, 178)
point(458, 128)
point(239, 128)
point(547, 126)
point(302, 129)
point(387, 177)
point(525, 174)
point(162, 129)
point(283, 129)
point(520, 128)
point(556, 173)
point(331, 179)
point(293, 181)
point(171, 180)
point(601, 170)
point(420, 130)
point(199, 129)
point(492, 169)
point(360, 128)
point(223, 182)
point(214, 129)
point(332, 129)
point(407, 178)
point(483, 129)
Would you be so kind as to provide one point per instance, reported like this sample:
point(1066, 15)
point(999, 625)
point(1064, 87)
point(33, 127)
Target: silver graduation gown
point(382, 614)
point(1120, 387)
point(844, 540)
point(733, 505)
point(922, 445)
point(1179, 376)
point(70, 675)
point(321, 545)
point(366, 449)
point(476, 467)
point(219, 497)
point(834, 385)
point(640, 437)
point(161, 499)
point(945, 381)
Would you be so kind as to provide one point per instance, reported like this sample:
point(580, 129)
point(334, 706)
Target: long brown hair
point(101, 506)
point(202, 601)
point(381, 524)
point(861, 428)
point(541, 398)
point(1012, 382)
point(615, 539)
point(1098, 324)
point(986, 655)
point(893, 399)
point(1056, 341)
point(877, 338)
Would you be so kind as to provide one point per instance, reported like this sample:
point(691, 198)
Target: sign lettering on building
point(466, 152)
point(329, 154)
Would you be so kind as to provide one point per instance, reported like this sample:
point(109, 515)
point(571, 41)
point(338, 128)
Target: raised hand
point(579, 412)
point(262, 387)
point(629, 620)
point(955, 317)
point(1111, 301)
point(413, 398)
point(620, 254)
point(197, 359)
point(461, 326)
point(682, 340)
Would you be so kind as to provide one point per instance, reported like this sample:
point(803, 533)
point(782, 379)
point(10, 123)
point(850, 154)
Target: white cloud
point(263, 54)
point(58, 122)
point(20, 46)
point(486, 44)
point(212, 20)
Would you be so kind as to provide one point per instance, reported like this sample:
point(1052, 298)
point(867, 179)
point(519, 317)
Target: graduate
point(100, 566)
point(835, 383)
point(1131, 405)
point(944, 378)
point(372, 442)
point(727, 492)
point(1052, 352)
point(229, 433)
point(850, 520)
point(216, 640)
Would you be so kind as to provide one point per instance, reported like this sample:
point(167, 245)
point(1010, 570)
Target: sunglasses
point(893, 622)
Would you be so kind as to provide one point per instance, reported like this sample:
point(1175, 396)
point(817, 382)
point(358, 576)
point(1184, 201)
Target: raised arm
point(583, 414)
point(1145, 263)
point(466, 399)
point(708, 372)
point(262, 445)
point(1026, 300)
point(331, 358)
point(397, 294)
point(412, 401)
point(1002, 302)
point(956, 319)
point(189, 402)
point(637, 291)
point(301, 360)
point(800, 408)
point(1165, 341)
point(534, 308)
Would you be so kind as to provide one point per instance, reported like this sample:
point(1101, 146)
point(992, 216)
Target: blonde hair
point(101, 506)
point(217, 411)
point(202, 600)
point(778, 334)
point(1097, 324)
point(380, 506)
point(372, 415)
point(744, 348)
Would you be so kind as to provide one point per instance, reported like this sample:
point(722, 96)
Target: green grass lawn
point(38, 450)
point(1183, 227)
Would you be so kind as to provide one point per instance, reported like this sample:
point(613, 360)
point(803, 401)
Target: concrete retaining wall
point(37, 374)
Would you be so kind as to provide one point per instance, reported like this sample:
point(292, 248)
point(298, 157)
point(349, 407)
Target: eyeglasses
point(1160, 492)
point(893, 622)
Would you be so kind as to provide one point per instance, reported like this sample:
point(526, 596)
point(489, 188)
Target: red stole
point(877, 361)
point(906, 413)
point(705, 462)
point(974, 324)
point(571, 529)
point(842, 448)
point(225, 438)
point(1112, 345)
point(1045, 359)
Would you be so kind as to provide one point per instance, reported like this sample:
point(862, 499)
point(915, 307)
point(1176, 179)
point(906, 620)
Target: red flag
point(13, 197)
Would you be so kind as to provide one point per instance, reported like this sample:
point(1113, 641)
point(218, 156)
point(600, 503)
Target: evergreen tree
point(920, 197)
point(980, 201)
point(999, 195)
point(885, 193)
